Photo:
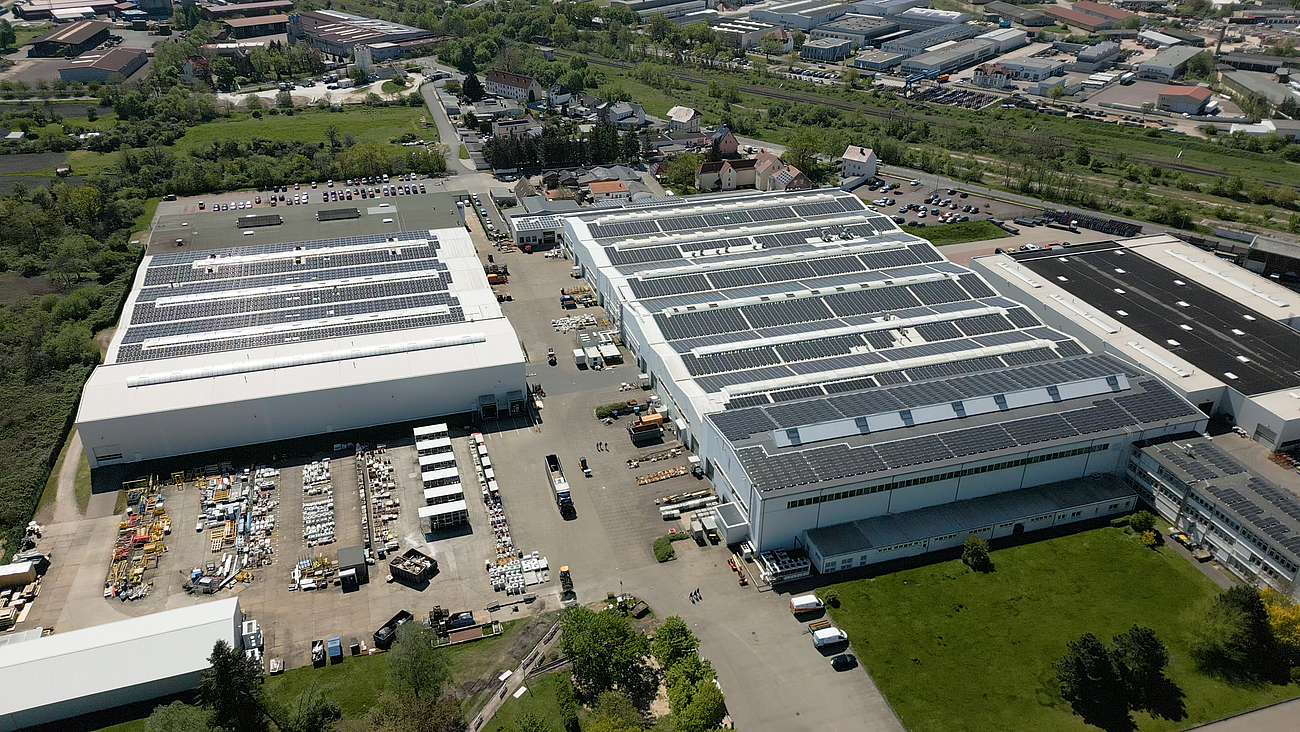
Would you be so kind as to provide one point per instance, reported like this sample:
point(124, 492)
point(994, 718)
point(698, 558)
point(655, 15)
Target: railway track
point(807, 98)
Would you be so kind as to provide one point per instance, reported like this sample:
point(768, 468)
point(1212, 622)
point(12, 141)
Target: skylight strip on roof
point(326, 251)
point(1230, 280)
point(221, 335)
point(1085, 314)
point(176, 300)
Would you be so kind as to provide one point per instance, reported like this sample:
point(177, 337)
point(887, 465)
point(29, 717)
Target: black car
point(844, 662)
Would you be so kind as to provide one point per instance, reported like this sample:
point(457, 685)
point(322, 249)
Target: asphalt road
point(466, 177)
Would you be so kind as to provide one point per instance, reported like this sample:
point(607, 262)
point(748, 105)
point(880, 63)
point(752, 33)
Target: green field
point(365, 124)
point(954, 649)
point(539, 699)
point(960, 232)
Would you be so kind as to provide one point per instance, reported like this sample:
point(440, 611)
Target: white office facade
point(248, 345)
point(805, 347)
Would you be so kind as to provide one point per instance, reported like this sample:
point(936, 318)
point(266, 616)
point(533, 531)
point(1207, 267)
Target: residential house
point(515, 128)
point(728, 146)
point(858, 160)
point(624, 115)
point(727, 175)
point(785, 38)
point(494, 108)
point(774, 174)
point(512, 86)
point(683, 119)
point(608, 190)
point(558, 95)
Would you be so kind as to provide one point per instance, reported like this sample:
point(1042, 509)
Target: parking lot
point(922, 209)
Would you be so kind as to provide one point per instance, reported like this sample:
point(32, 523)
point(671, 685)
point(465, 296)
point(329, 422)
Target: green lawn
point(366, 124)
point(52, 483)
point(953, 649)
point(962, 231)
point(539, 699)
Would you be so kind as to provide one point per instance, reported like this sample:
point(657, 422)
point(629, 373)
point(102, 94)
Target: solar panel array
point(254, 220)
point(195, 303)
point(338, 214)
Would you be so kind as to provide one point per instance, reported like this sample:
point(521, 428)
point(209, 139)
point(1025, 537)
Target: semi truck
point(555, 474)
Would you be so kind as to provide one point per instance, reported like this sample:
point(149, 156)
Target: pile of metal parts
point(312, 573)
point(512, 570)
point(240, 510)
point(139, 543)
point(378, 489)
point(575, 322)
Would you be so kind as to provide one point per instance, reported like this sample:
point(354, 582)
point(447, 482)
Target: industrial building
point(1218, 335)
point(58, 10)
point(1099, 10)
point(917, 43)
point(1003, 73)
point(1257, 82)
point(801, 14)
point(666, 8)
point(336, 33)
point(1016, 14)
point(264, 25)
point(248, 10)
point(826, 49)
point(1245, 521)
point(1183, 99)
point(1167, 65)
point(925, 18)
point(951, 56)
point(1066, 16)
point(741, 33)
point(100, 66)
point(878, 60)
point(861, 30)
point(243, 345)
point(68, 674)
point(67, 41)
point(829, 367)
point(887, 8)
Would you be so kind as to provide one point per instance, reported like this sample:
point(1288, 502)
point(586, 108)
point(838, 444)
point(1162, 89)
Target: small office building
point(1183, 99)
point(826, 49)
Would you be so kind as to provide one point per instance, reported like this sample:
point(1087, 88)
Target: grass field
point(366, 124)
point(954, 649)
point(539, 699)
point(960, 232)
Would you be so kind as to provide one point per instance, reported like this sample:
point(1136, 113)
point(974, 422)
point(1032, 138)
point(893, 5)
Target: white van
point(829, 636)
point(805, 604)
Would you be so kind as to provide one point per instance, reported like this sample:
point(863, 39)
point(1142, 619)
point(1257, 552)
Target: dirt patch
point(103, 338)
point(520, 645)
point(16, 288)
point(26, 163)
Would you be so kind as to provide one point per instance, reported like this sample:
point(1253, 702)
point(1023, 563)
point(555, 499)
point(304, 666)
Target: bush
point(1150, 539)
point(832, 597)
point(1142, 522)
point(975, 554)
point(664, 549)
point(609, 410)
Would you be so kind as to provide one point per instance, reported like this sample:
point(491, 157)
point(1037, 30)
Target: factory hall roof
point(103, 659)
point(1192, 319)
point(73, 33)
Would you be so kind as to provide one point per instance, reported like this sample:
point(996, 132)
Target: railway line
point(872, 111)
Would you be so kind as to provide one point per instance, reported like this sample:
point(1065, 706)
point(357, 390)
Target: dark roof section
point(74, 34)
point(1157, 306)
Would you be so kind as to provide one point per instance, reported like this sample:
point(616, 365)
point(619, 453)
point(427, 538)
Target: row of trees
point(557, 148)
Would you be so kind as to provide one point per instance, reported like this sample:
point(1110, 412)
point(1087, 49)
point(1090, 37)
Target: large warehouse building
point(335, 33)
point(69, 40)
point(68, 674)
point(830, 368)
point(244, 345)
point(1219, 335)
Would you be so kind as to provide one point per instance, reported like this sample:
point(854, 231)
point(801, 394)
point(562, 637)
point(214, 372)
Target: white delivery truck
point(829, 636)
point(805, 604)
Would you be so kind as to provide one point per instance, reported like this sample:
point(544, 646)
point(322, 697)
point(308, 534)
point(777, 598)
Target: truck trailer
point(560, 486)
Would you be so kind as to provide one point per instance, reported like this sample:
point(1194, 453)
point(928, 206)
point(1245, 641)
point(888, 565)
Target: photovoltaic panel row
point(718, 382)
point(867, 403)
point(1103, 415)
point(889, 258)
point(1094, 366)
point(149, 312)
point(1282, 499)
point(835, 265)
point(1070, 348)
point(1039, 429)
point(338, 264)
point(771, 213)
point(918, 450)
point(1193, 467)
point(717, 363)
point(926, 253)
point(641, 255)
point(879, 339)
point(939, 291)
point(1047, 334)
point(739, 424)
point(663, 286)
point(1004, 339)
point(1237, 502)
point(977, 440)
point(841, 461)
point(975, 286)
point(712, 245)
point(784, 469)
point(786, 272)
point(623, 228)
point(835, 363)
point(1022, 318)
point(801, 310)
point(864, 302)
point(818, 348)
point(738, 277)
point(925, 393)
point(681, 223)
point(983, 324)
point(1210, 453)
point(1157, 402)
point(821, 208)
point(940, 331)
point(799, 414)
point(953, 368)
point(748, 401)
point(786, 238)
point(929, 349)
point(702, 322)
point(803, 392)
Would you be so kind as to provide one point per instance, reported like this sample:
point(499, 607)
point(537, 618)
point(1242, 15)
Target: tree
point(529, 722)
point(8, 38)
point(1235, 640)
point(1131, 23)
point(770, 46)
point(567, 703)
point(801, 151)
point(1283, 618)
point(397, 713)
point(253, 102)
point(357, 75)
point(177, 717)
point(473, 88)
point(332, 137)
point(1091, 682)
point(614, 710)
point(975, 554)
point(673, 641)
point(1200, 66)
point(1055, 93)
point(284, 100)
point(92, 113)
point(231, 689)
point(679, 173)
point(605, 652)
point(415, 663)
point(797, 37)
point(1141, 658)
point(1142, 521)
point(704, 709)
point(311, 712)
point(1082, 156)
